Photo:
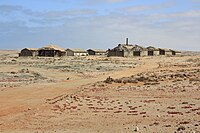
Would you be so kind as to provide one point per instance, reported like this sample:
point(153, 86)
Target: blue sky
point(100, 23)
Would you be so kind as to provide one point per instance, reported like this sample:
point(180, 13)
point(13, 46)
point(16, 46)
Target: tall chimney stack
point(126, 41)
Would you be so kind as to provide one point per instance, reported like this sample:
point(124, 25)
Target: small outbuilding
point(96, 52)
point(51, 51)
point(29, 52)
point(76, 52)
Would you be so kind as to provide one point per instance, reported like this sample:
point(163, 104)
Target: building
point(175, 52)
point(139, 51)
point(127, 50)
point(76, 52)
point(122, 50)
point(29, 52)
point(51, 51)
point(165, 51)
point(96, 52)
point(152, 51)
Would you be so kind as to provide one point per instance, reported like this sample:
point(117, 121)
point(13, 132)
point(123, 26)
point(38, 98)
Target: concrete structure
point(96, 52)
point(29, 52)
point(51, 51)
point(76, 52)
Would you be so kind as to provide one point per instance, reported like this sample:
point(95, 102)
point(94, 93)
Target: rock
point(136, 129)
point(181, 128)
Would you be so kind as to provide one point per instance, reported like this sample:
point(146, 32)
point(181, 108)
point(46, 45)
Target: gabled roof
point(52, 47)
point(152, 48)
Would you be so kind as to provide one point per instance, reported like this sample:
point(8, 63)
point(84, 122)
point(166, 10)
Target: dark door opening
point(136, 53)
point(150, 53)
point(162, 52)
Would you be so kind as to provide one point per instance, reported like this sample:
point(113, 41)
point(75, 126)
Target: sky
point(100, 24)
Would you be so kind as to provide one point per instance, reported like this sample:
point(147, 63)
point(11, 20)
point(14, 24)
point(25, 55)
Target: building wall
point(168, 52)
point(156, 53)
point(91, 52)
point(116, 53)
point(144, 53)
point(100, 53)
point(80, 54)
point(47, 53)
point(178, 53)
point(26, 52)
point(69, 52)
point(128, 53)
point(162, 52)
point(111, 53)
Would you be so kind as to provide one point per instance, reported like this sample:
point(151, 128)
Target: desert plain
point(90, 94)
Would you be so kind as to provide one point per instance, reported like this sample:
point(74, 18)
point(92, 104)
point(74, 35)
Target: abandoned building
point(129, 50)
point(76, 52)
point(51, 51)
point(175, 52)
point(29, 52)
point(96, 52)
point(139, 51)
point(152, 51)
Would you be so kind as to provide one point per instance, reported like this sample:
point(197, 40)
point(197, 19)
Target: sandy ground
point(99, 94)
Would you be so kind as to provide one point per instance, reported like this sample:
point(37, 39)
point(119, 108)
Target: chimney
point(126, 41)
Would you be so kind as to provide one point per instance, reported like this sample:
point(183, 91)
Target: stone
point(136, 129)
point(181, 128)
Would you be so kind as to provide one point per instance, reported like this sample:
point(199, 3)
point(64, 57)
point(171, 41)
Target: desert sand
point(93, 94)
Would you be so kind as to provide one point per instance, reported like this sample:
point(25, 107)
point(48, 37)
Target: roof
point(175, 51)
point(140, 47)
point(52, 47)
point(152, 48)
point(165, 49)
point(98, 50)
point(121, 47)
point(78, 50)
point(31, 49)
